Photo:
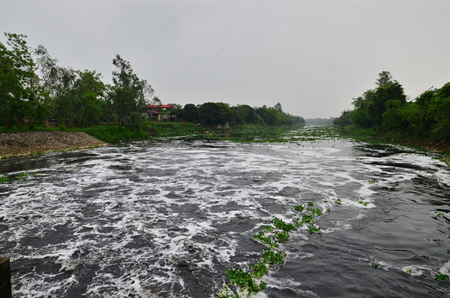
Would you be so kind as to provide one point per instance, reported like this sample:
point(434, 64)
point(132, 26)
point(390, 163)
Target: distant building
point(159, 112)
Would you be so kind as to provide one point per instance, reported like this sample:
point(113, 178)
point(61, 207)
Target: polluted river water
point(170, 218)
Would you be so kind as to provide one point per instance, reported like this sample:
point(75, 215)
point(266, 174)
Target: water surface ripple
point(168, 219)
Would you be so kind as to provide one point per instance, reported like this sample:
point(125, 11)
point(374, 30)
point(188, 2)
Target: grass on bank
point(378, 136)
point(115, 134)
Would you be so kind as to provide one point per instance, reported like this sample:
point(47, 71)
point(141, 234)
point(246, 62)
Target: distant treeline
point(211, 113)
point(386, 108)
point(34, 89)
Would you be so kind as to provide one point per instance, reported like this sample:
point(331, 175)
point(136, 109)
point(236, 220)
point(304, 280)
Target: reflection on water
point(168, 219)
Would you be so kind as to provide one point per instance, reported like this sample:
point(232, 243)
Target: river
point(168, 218)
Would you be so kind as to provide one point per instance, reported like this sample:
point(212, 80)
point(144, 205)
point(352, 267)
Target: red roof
point(167, 106)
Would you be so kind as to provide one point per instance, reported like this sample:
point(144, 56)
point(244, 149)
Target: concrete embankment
point(33, 142)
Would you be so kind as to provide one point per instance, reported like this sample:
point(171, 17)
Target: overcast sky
point(311, 56)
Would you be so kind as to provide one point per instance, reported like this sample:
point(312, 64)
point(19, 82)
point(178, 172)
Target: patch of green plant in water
point(272, 257)
point(307, 219)
point(6, 179)
point(261, 236)
point(23, 176)
point(408, 271)
point(338, 202)
point(280, 224)
point(259, 270)
point(241, 283)
point(442, 277)
point(375, 265)
point(313, 229)
point(361, 201)
point(315, 211)
point(299, 208)
point(282, 236)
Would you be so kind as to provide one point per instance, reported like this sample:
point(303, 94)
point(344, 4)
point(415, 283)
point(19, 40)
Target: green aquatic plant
point(442, 277)
point(375, 265)
point(259, 270)
point(361, 201)
point(307, 219)
point(313, 229)
point(315, 211)
point(408, 270)
point(237, 277)
point(271, 257)
point(240, 283)
point(282, 236)
point(299, 208)
point(5, 179)
point(265, 239)
point(280, 224)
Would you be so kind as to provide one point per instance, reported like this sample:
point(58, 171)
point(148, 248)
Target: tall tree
point(129, 93)
point(16, 74)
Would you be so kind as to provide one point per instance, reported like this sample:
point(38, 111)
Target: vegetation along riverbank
point(385, 114)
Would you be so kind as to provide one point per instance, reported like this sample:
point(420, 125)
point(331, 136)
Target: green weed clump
point(362, 202)
point(5, 179)
point(442, 277)
point(242, 283)
point(23, 176)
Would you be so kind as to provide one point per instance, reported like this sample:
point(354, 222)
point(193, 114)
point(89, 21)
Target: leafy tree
point(16, 76)
point(344, 120)
point(384, 78)
point(190, 113)
point(215, 113)
point(128, 93)
point(89, 91)
point(278, 107)
point(440, 111)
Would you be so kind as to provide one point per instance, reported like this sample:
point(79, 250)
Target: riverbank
point(44, 140)
point(375, 136)
point(40, 142)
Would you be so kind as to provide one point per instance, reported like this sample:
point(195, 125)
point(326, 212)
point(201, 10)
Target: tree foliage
point(35, 89)
point(386, 108)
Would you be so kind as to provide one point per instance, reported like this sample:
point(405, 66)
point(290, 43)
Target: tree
point(278, 107)
point(215, 113)
point(129, 93)
point(16, 75)
point(89, 91)
point(384, 78)
point(190, 113)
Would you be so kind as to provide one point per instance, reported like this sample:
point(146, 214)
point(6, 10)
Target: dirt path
point(32, 142)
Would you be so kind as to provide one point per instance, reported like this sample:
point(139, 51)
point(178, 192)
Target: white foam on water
point(139, 212)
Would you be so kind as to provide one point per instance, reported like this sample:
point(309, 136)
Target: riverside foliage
point(385, 109)
point(34, 89)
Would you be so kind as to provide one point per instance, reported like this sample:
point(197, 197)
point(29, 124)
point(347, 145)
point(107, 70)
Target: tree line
point(34, 88)
point(386, 108)
point(211, 113)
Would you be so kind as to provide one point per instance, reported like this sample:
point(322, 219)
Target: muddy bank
point(32, 142)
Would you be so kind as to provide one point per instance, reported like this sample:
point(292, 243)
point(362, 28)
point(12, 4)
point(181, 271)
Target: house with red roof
point(159, 112)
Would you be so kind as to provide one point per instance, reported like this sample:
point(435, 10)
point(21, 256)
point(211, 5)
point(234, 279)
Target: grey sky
point(311, 56)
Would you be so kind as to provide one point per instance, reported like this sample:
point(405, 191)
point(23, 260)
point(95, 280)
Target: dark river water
point(169, 218)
